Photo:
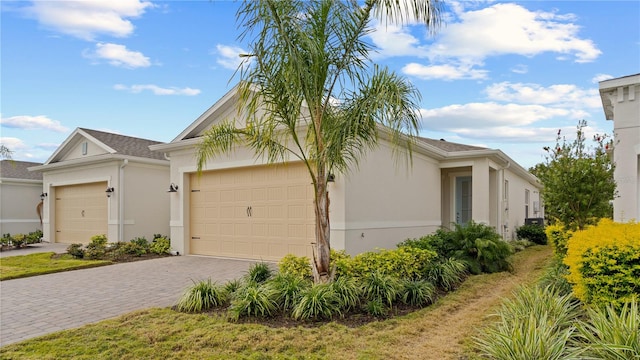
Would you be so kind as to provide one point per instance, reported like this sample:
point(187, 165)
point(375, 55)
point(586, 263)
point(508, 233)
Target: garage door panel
point(257, 207)
point(80, 212)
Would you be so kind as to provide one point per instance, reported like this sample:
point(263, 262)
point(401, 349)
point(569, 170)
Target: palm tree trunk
point(322, 246)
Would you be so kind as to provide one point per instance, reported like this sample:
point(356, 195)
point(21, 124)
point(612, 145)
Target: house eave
point(103, 158)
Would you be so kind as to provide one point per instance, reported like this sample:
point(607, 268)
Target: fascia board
point(96, 160)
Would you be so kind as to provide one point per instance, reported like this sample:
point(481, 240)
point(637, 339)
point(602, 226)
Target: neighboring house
point(621, 103)
point(240, 207)
point(102, 183)
point(20, 192)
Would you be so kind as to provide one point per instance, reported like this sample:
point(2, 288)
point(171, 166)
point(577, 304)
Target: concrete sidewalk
point(57, 248)
point(44, 304)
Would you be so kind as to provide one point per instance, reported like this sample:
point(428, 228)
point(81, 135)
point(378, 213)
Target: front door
point(463, 200)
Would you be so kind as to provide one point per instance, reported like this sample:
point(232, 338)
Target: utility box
point(534, 221)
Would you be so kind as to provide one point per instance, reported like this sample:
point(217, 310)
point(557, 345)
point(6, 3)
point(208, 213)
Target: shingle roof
point(449, 146)
point(13, 169)
point(127, 145)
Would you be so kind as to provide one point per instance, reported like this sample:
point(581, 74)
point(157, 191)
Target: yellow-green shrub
point(558, 237)
point(604, 262)
point(298, 266)
point(403, 263)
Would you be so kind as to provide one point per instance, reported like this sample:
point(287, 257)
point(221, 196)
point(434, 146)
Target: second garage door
point(261, 212)
point(81, 212)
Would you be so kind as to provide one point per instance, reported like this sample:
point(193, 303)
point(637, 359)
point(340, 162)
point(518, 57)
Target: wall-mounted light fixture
point(109, 191)
point(173, 188)
point(43, 195)
point(331, 178)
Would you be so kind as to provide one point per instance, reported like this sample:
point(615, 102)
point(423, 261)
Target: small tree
point(5, 152)
point(578, 181)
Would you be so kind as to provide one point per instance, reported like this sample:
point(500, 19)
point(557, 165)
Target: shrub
point(481, 247)
point(478, 245)
point(160, 245)
point(6, 239)
point(348, 291)
point(288, 288)
point(611, 334)
point(319, 301)
point(76, 251)
point(535, 324)
point(519, 245)
point(534, 233)
point(97, 248)
point(34, 237)
point(447, 274)
point(558, 237)
point(202, 296)
point(253, 300)
point(259, 273)
point(376, 307)
point(299, 266)
point(555, 276)
point(141, 244)
point(378, 285)
point(604, 263)
point(403, 262)
point(440, 242)
point(18, 240)
point(232, 286)
point(418, 292)
point(133, 248)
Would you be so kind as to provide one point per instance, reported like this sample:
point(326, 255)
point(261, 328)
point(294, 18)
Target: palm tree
point(309, 90)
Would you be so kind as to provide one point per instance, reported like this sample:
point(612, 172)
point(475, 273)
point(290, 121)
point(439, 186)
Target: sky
point(503, 75)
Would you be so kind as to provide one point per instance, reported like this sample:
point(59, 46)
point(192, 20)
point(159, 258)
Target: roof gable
point(221, 110)
point(84, 143)
point(12, 169)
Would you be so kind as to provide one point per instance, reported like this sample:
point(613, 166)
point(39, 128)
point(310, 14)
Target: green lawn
point(14, 267)
point(441, 331)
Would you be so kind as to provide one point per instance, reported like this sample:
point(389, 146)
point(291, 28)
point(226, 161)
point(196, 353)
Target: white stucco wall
point(387, 201)
point(145, 200)
point(621, 101)
point(514, 204)
point(18, 201)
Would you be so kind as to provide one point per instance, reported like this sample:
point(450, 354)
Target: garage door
point(81, 212)
point(261, 212)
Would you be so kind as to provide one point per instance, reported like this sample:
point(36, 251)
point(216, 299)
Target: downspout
point(121, 200)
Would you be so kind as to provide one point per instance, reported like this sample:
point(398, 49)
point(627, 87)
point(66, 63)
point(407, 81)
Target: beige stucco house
point(20, 192)
point(103, 183)
point(241, 207)
point(621, 103)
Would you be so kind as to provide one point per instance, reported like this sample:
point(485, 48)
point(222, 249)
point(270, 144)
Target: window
point(84, 148)
point(526, 203)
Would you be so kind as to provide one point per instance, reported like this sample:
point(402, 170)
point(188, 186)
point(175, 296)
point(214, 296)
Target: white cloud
point(87, 19)
point(229, 56)
point(444, 72)
point(564, 95)
point(512, 29)
point(118, 55)
point(396, 41)
point(14, 144)
point(601, 77)
point(474, 35)
point(27, 122)
point(520, 69)
point(484, 116)
point(157, 90)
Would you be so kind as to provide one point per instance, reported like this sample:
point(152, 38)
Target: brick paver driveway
point(43, 304)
